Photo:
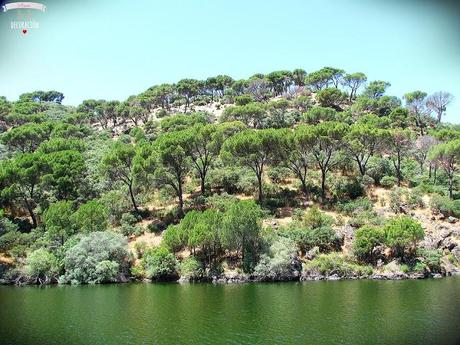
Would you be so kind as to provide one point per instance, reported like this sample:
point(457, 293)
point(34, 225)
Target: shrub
point(159, 264)
point(444, 205)
point(278, 174)
point(91, 217)
point(279, 263)
point(173, 238)
point(335, 263)
point(431, 258)
point(355, 206)
point(365, 218)
point(41, 267)
point(243, 99)
point(191, 269)
point(388, 181)
point(378, 167)
point(402, 234)
point(314, 218)
point(128, 227)
point(82, 262)
point(366, 239)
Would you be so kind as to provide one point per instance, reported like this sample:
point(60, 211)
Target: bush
point(444, 205)
point(388, 181)
point(83, 262)
point(191, 269)
point(314, 218)
point(91, 217)
point(278, 175)
point(430, 258)
point(345, 188)
point(128, 227)
point(355, 207)
point(402, 234)
point(335, 263)
point(159, 264)
point(365, 218)
point(378, 167)
point(366, 239)
point(41, 267)
point(279, 263)
point(243, 99)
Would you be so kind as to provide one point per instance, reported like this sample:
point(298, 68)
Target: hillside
point(284, 176)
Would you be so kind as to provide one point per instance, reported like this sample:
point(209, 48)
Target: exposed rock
point(452, 220)
point(312, 253)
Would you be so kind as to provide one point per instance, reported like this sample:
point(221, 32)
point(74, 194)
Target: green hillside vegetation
point(282, 176)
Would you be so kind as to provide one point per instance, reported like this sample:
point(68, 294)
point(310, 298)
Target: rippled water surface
point(343, 312)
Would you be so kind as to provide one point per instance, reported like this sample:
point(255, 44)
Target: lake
point(334, 312)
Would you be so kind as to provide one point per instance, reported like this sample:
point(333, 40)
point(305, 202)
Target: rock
point(333, 277)
point(437, 276)
point(452, 220)
point(433, 218)
point(312, 253)
point(441, 216)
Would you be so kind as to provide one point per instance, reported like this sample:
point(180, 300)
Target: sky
point(114, 49)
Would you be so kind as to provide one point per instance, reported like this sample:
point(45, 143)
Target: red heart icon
point(24, 31)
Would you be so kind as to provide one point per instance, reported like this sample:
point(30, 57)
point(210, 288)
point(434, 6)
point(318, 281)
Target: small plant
point(388, 181)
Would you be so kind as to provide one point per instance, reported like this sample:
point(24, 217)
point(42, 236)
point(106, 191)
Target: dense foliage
point(79, 183)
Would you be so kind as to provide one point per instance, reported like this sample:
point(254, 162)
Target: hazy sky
point(113, 49)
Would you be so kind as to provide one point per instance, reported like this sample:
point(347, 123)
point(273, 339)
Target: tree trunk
point(261, 196)
point(323, 185)
point(451, 185)
point(181, 199)
point(133, 200)
point(31, 213)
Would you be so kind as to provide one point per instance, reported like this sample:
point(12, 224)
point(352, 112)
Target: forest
point(282, 176)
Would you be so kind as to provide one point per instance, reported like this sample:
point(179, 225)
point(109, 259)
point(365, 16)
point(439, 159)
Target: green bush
point(353, 207)
point(366, 239)
point(388, 181)
point(402, 235)
point(278, 174)
point(277, 264)
point(444, 205)
point(314, 218)
point(85, 261)
point(336, 263)
point(191, 269)
point(41, 267)
point(431, 258)
point(160, 264)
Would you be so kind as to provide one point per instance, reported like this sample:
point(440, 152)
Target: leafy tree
point(181, 121)
point(20, 177)
point(254, 149)
point(447, 156)
point(26, 138)
point(41, 267)
point(320, 114)
point(99, 257)
point(203, 147)
point(438, 102)
point(331, 98)
point(416, 103)
point(42, 96)
point(159, 264)
point(240, 231)
point(354, 81)
point(191, 269)
point(122, 163)
point(402, 234)
point(326, 141)
point(91, 217)
point(57, 221)
point(376, 89)
point(174, 162)
point(204, 233)
point(367, 238)
point(279, 81)
point(188, 89)
point(252, 114)
point(362, 143)
point(64, 172)
point(298, 77)
point(398, 145)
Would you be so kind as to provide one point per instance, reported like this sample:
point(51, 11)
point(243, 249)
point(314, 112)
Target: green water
point(343, 312)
